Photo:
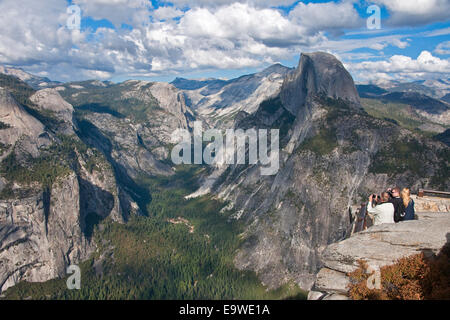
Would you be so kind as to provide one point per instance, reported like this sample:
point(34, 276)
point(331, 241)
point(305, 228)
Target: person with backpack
point(397, 202)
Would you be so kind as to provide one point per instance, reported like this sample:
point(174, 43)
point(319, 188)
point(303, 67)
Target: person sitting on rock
point(383, 212)
point(408, 204)
point(399, 208)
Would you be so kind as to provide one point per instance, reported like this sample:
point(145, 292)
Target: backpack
point(399, 209)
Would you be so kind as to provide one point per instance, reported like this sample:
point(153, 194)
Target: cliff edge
point(378, 246)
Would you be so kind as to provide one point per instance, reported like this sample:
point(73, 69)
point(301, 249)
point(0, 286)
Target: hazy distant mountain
point(419, 101)
point(218, 101)
point(186, 84)
point(433, 88)
point(410, 108)
point(35, 82)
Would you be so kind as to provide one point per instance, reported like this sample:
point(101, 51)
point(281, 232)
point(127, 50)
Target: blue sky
point(160, 40)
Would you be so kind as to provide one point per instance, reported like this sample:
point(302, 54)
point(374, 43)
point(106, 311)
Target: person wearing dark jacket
point(408, 204)
point(399, 207)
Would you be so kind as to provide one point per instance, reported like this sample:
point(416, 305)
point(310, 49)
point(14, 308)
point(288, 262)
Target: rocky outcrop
point(50, 100)
point(134, 147)
point(379, 246)
point(172, 100)
point(19, 123)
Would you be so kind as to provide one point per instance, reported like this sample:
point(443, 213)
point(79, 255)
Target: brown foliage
point(412, 278)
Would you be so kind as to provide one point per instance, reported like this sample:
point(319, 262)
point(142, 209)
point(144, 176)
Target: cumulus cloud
point(416, 12)
point(401, 67)
point(180, 36)
point(224, 37)
point(118, 12)
point(164, 13)
point(329, 16)
point(35, 37)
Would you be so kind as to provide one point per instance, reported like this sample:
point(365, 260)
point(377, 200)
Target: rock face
point(46, 225)
point(43, 234)
point(332, 155)
point(49, 99)
point(39, 240)
point(19, 123)
point(135, 135)
point(217, 102)
point(317, 73)
point(379, 246)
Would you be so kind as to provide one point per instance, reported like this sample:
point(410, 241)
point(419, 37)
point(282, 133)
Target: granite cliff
point(53, 188)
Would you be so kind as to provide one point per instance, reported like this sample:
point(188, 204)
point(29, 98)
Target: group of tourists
point(392, 206)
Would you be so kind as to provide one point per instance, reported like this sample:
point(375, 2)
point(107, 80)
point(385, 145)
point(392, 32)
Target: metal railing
point(422, 193)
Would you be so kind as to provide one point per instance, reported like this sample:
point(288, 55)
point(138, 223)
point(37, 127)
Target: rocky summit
point(317, 73)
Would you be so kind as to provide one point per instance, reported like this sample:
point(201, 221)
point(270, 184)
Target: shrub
point(322, 143)
point(411, 278)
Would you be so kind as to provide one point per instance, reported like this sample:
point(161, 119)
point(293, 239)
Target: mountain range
point(86, 178)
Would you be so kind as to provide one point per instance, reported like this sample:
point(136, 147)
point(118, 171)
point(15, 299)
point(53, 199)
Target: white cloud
point(118, 12)
point(416, 12)
point(402, 67)
point(239, 21)
point(164, 13)
point(207, 35)
point(217, 3)
point(35, 37)
point(328, 16)
point(443, 48)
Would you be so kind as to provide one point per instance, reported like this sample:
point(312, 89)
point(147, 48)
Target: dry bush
point(412, 278)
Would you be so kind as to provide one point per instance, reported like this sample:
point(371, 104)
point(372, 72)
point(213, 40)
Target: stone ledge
point(431, 204)
point(380, 246)
point(328, 280)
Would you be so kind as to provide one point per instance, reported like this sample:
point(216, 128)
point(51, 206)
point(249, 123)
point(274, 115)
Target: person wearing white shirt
point(383, 212)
